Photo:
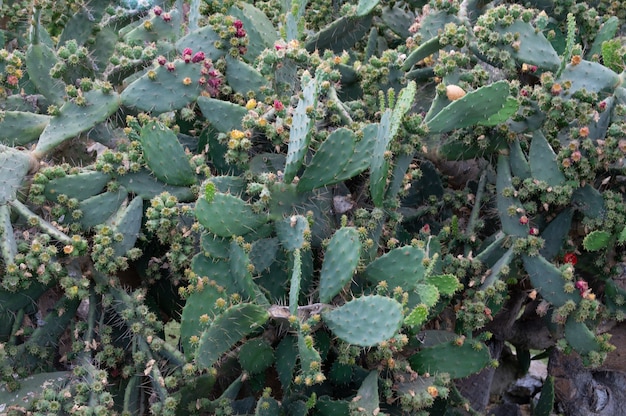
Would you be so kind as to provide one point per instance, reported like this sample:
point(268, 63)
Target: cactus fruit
point(365, 321)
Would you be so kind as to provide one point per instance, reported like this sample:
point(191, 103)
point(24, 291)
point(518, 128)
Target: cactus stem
point(471, 225)
point(43, 225)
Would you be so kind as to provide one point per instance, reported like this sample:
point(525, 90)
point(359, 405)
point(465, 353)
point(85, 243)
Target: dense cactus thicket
point(304, 207)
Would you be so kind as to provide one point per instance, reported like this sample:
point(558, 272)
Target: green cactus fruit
point(228, 215)
point(145, 185)
point(286, 354)
point(341, 259)
point(292, 232)
point(18, 128)
point(365, 321)
point(8, 246)
point(475, 108)
point(531, 46)
point(596, 240)
point(417, 316)
point(244, 79)
point(509, 207)
point(545, 404)
point(543, 163)
point(81, 185)
point(592, 77)
point(498, 268)
point(300, 133)
point(607, 32)
point(365, 7)
point(446, 284)
point(519, 164)
point(589, 201)
point(215, 247)
point(202, 39)
point(165, 88)
point(99, 208)
point(127, 221)
point(242, 277)
point(74, 119)
point(340, 35)
point(40, 59)
point(458, 358)
point(226, 330)
point(14, 165)
point(580, 338)
point(263, 253)
point(224, 116)
point(402, 267)
point(367, 398)
point(267, 406)
point(32, 387)
point(555, 234)
point(256, 356)
point(260, 30)
point(336, 160)
point(547, 279)
point(165, 156)
point(156, 28)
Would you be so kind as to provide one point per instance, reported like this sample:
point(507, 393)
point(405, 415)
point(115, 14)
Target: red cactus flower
point(582, 286)
point(157, 10)
point(240, 33)
point(570, 258)
point(533, 231)
point(187, 51)
point(238, 24)
point(523, 220)
point(161, 60)
point(166, 17)
point(278, 105)
point(170, 66)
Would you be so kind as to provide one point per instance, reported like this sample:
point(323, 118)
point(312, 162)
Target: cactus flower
point(570, 258)
point(278, 105)
point(161, 60)
point(238, 24)
point(157, 10)
point(198, 57)
point(166, 17)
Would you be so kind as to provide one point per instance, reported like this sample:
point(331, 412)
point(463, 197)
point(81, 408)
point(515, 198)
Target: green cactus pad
point(533, 48)
point(145, 185)
point(39, 60)
point(227, 215)
point(243, 78)
point(606, 33)
point(427, 294)
point(547, 279)
point(291, 231)
point(589, 201)
point(160, 90)
point(333, 162)
point(545, 404)
point(367, 398)
point(263, 253)
point(417, 317)
point(341, 259)
point(475, 107)
point(99, 208)
point(202, 39)
point(81, 186)
point(365, 7)
point(267, 406)
point(286, 354)
point(580, 337)
point(309, 355)
point(128, 222)
point(74, 119)
point(543, 163)
point(593, 77)
point(510, 223)
point(379, 165)
point(261, 31)
point(165, 156)
point(256, 356)
point(596, 240)
point(14, 165)
point(519, 164)
point(215, 247)
point(226, 330)
point(300, 133)
point(18, 128)
point(423, 51)
point(456, 360)
point(224, 116)
point(446, 284)
point(8, 246)
point(32, 387)
point(242, 277)
point(556, 233)
point(497, 268)
point(155, 28)
point(340, 35)
point(365, 321)
point(399, 267)
point(217, 271)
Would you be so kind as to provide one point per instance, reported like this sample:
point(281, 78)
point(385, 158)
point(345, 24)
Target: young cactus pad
point(365, 321)
point(340, 261)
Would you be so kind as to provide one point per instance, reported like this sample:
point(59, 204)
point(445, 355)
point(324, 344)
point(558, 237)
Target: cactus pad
point(227, 215)
point(340, 261)
point(400, 267)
